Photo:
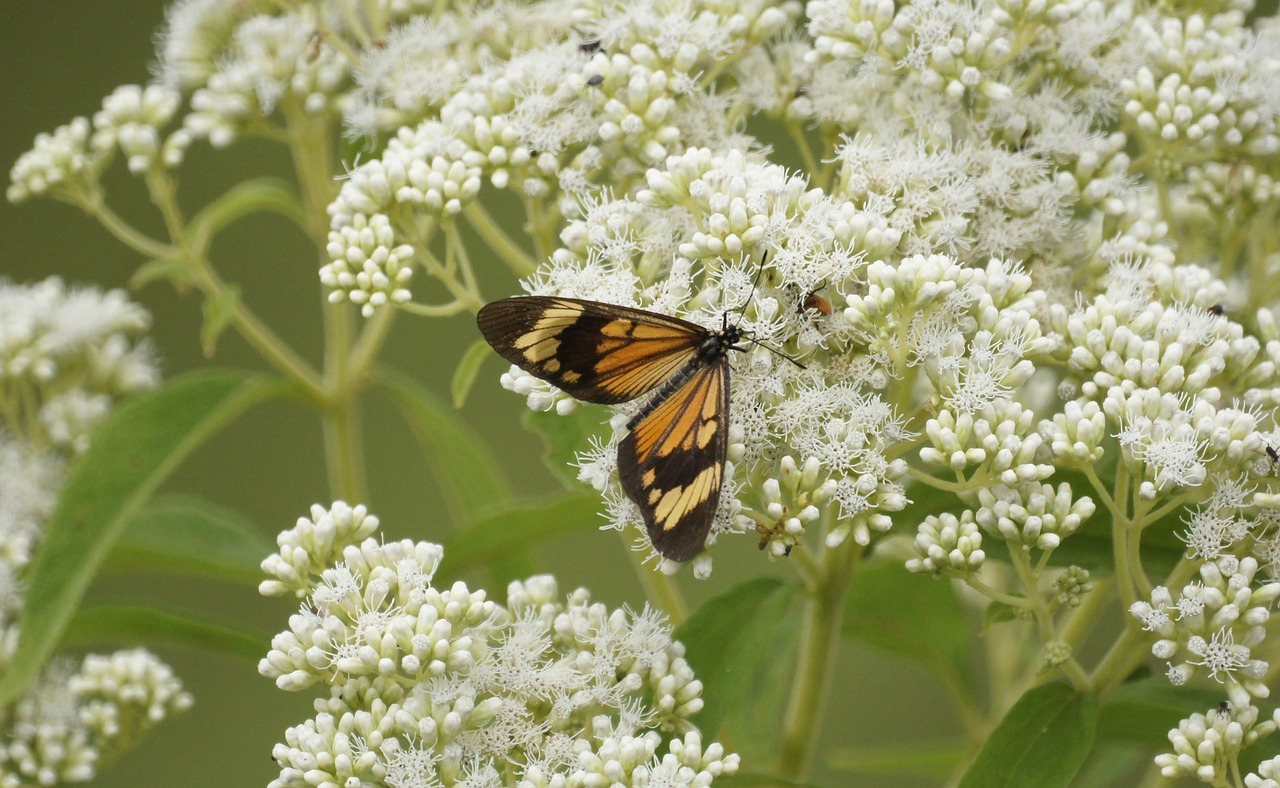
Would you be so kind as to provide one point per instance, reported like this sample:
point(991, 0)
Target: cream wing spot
point(538, 345)
point(706, 432)
point(678, 501)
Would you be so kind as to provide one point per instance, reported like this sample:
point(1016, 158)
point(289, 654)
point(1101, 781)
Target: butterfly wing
point(593, 351)
point(671, 463)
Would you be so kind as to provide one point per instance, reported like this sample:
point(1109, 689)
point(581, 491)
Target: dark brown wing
point(672, 462)
point(596, 352)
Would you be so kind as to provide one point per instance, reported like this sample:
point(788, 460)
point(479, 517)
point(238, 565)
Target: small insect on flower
point(1224, 709)
point(769, 532)
point(1217, 310)
point(595, 79)
point(817, 303)
point(671, 463)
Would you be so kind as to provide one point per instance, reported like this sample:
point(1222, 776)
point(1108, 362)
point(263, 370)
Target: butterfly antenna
point(773, 350)
point(742, 310)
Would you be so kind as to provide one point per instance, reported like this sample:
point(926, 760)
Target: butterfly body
point(671, 462)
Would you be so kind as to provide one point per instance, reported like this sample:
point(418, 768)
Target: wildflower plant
point(69, 356)
point(1007, 273)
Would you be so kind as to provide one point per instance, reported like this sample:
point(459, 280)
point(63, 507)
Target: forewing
point(596, 352)
point(672, 461)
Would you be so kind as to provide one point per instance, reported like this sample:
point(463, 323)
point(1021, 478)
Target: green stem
point(1125, 655)
point(372, 337)
point(1044, 624)
point(940, 484)
point(996, 595)
point(824, 610)
point(538, 229)
point(127, 234)
point(660, 589)
point(516, 258)
point(255, 332)
point(311, 143)
point(1081, 621)
point(806, 150)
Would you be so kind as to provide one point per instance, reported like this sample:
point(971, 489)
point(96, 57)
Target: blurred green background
point(60, 59)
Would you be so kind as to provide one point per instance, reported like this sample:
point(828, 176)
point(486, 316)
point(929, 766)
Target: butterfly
point(671, 462)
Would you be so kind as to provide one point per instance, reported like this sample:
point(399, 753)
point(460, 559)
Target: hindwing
point(595, 352)
point(671, 463)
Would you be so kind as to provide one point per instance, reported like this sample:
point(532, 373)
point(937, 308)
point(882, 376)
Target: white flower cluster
point(442, 687)
point(67, 163)
point(1267, 776)
point(683, 246)
point(1206, 746)
point(29, 484)
point(271, 62)
point(1204, 622)
point(71, 716)
point(1208, 84)
point(555, 96)
point(66, 356)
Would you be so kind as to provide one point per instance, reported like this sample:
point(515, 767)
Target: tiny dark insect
point(589, 46)
point(1224, 709)
point(595, 79)
point(1218, 310)
point(767, 534)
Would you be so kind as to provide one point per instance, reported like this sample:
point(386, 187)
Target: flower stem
point(255, 332)
point(819, 641)
point(311, 143)
point(516, 258)
point(660, 589)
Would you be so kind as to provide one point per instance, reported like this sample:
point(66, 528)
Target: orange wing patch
point(672, 462)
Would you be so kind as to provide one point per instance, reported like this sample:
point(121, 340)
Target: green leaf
point(516, 526)
point(1108, 765)
point(465, 471)
point(563, 437)
point(468, 367)
point(727, 639)
point(129, 456)
point(910, 615)
point(114, 626)
point(747, 780)
point(218, 312)
point(928, 759)
point(190, 536)
point(755, 727)
point(1142, 712)
point(999, 613)
point(1040, 743)
point(163, 269)
point(260, 194)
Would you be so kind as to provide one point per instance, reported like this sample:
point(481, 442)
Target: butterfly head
point(719, 343)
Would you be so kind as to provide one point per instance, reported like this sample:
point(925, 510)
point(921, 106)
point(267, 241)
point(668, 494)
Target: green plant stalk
point(311, 144)
point(511, 253)
point(659, 588)
point(819, 642)
point(255, 332)
point(1081, 621)
point(1044, 624)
